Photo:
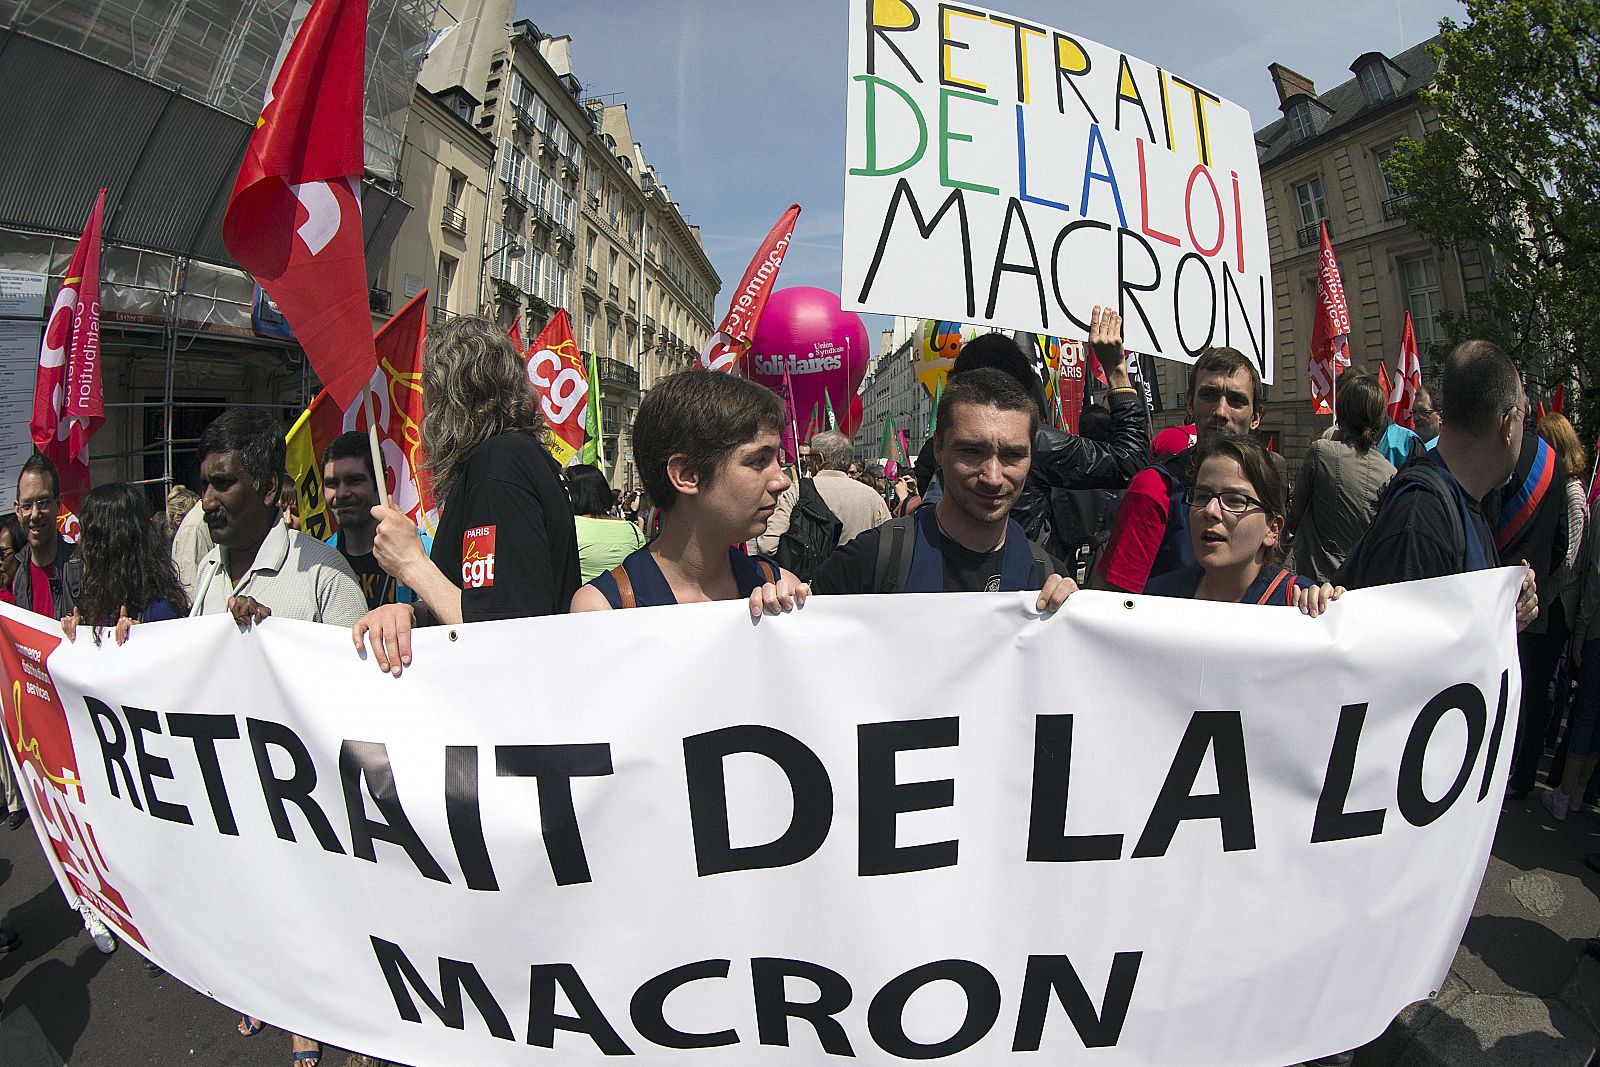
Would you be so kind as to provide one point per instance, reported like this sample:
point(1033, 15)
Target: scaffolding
point(179, 85)
point(224, 53)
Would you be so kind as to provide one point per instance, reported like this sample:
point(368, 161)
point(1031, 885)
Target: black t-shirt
point(1414, 536)
point(375, 583)
point(851, 567)
point(506, 536)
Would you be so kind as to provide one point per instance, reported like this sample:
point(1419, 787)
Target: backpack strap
point(619, 574)
point(1273, 588)
point(770, 571)
point(1042, 567)
point(894, 556)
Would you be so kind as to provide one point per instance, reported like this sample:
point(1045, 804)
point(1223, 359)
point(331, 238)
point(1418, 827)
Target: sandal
point(249, 1027)
point(309, 1057)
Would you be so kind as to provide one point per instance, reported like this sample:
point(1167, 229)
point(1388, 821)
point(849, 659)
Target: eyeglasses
point(28, 507)
point(1426, 413)
point(1233, 503)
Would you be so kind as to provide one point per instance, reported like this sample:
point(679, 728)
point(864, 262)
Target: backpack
point(895, 546)
point(813, 533)
point(1082, 524)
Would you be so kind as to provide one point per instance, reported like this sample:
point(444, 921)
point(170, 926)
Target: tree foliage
point(1513, 170)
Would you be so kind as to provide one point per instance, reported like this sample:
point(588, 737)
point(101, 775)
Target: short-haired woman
point(506, 546)
point(1235, 528)
point(604, 539)
point(707, 448)
point(1338, 490)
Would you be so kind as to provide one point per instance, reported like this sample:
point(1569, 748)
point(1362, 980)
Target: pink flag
point(1330, 329)
point(732, 338)
point(68, 406)
point(1408, 379)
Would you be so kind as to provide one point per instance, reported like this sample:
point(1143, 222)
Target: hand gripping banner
point(766, 850)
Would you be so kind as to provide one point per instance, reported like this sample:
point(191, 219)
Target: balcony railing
point(591, 280)
point(515, 192)
point(615, 294)
point(618, 373)
point(453, 219)
point(378, 300)
point(649, 324)
point(1395, 206)
point(1310, 234)
point(440, 316)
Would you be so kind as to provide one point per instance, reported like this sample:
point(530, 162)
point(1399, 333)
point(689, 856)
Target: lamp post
point(514, 246)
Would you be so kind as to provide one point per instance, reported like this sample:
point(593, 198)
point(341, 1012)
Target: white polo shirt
point(298, 577)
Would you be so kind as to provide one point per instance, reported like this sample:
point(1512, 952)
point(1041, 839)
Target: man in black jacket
point(1061, 460)
point(47, 571)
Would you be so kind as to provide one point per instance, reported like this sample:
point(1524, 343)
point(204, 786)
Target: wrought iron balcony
point(1311, 234)
point(1395, 206)
point(618, 373)
point(378, 300)
point(453, 219)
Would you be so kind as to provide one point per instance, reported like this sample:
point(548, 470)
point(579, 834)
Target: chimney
point(1288, 83)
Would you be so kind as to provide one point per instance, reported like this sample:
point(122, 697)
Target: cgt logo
point(477, 557)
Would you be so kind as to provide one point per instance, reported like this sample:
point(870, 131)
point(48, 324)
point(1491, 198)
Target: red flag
point(728, 344)
point(68, 406)
point(1330, 330)
point(1408, 381)
point(1384, 383)
point(557, 371)
point(294, 219)
point(1559, 401)
point(1541, 414)
point(516, 334)
point(397, 410)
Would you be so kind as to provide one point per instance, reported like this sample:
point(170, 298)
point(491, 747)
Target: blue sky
point(740, 106)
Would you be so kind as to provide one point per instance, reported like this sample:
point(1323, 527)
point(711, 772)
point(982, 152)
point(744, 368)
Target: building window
point(1308, 197)
point(1394, 204)
point(1301, 124)
point(1375, 83)
point(588, 331)
point(1421, 279)
point(457, 186)
point(447, 275)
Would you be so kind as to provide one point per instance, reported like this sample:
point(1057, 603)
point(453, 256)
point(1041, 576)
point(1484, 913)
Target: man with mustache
point(259, 566)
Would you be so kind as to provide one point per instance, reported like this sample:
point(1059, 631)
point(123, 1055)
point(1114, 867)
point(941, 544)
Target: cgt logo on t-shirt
point(477, 557)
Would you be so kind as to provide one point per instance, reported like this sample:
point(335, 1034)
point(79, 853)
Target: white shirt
point(297, 576)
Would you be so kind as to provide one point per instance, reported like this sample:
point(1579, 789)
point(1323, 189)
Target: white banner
point(1008, 173)
point(672, 833)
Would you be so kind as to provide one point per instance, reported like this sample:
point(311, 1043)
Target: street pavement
point(1520, 994)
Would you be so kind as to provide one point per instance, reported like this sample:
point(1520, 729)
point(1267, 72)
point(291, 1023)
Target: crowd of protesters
point(997, 500)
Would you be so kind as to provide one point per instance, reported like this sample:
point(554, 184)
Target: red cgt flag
point(1403, 396)
point(68, 406)
point(397, 410)
point(515, 332)
point(1330, 330)
point(294, 219)
point(557, 370)
point(725, 348)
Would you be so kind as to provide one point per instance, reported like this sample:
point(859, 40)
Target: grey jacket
point(66, 575)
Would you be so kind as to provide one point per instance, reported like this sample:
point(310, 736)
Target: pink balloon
point(824, 347)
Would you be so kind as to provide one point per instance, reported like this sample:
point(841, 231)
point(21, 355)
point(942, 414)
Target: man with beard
point(967, 542)
point(350, 490)
point(48, 571)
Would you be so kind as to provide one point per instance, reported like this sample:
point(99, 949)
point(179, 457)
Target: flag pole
point(377, 453)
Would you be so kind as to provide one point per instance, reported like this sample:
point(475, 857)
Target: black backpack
point(813, 533)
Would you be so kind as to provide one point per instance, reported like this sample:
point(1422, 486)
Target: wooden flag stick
point(377, 453)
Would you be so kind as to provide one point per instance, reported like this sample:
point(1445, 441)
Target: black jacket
point(67, 570)
point(1065, 461)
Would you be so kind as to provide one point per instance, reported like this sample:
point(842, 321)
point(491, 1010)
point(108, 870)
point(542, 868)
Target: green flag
point(933, 408)
point(593, 428)
point(890, 446)
point(827, 403)
point(811, 427)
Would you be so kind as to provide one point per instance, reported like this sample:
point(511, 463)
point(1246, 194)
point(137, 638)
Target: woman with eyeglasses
point(1236, 519)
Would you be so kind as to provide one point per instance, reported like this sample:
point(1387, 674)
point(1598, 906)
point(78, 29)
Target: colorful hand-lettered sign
point(1011, 174)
